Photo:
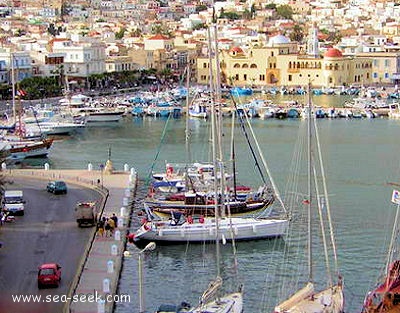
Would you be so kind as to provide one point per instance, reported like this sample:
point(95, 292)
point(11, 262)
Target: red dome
point(333, 53)
point(237, 50)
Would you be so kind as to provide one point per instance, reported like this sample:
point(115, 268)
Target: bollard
point(106, 285)
point(110, 267)
point(133, 171)
point(126, 167)
point(46, 166)
point(125, 201)
point(122, 212)
point(117, 234)
point(3, 166)
point(101, 306)
point(114, 250)
point(120, 222)
point(90, 167)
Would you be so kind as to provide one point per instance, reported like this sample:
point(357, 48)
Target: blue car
point(57, 186)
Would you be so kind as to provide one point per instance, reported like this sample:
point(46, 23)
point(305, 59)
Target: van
point(86, 213)
point(13, 202)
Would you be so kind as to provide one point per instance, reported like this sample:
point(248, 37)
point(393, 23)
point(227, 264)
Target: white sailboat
point(331, 298)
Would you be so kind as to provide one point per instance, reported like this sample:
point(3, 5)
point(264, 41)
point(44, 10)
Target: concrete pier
point(100, 267)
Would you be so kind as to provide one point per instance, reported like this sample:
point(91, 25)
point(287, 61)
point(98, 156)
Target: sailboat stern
point(330, 300)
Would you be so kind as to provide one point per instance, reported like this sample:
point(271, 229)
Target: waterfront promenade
point(100, 266)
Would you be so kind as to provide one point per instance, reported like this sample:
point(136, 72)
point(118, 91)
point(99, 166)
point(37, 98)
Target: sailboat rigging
point(331, 298)
point(20, 147)
point(385, 297)
point(211, 196)
point(213, 299)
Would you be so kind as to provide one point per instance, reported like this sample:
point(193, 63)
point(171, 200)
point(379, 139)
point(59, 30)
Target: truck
point(13, 202)
point(86, 213)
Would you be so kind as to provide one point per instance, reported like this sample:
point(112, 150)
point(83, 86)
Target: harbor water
point(361, 158)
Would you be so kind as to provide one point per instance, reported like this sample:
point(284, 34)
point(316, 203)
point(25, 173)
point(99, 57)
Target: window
point(375, 75)
point(237, 65)
point(253, 65)
point(245, 66)
point(204, 65)
point(262, 77)
point(244, 76)
point(290, 78)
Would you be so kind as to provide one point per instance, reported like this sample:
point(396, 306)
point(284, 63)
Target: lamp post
point(150, 247)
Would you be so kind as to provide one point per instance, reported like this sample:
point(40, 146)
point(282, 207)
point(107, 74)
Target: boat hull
point(164, 232)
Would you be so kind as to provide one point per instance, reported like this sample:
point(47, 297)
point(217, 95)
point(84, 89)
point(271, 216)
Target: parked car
point(49, 274)
point(57, 186)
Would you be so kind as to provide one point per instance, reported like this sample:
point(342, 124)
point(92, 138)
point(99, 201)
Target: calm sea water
point(360, 158)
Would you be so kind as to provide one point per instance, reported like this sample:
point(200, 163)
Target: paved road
point(46, 233)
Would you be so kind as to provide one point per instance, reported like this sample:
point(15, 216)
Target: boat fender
point(131, 238)
point(254, 229)
point(211, 232)
point(182, 232)
point(223, 239)
point(235, 230)
point(146, 226)
point(170, 170)
point(160, 232)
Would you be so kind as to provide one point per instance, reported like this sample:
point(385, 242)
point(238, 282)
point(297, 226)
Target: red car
point(49, 274)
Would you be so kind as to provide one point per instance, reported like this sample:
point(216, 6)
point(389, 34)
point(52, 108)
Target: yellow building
point(279, 63)
point(385, 65)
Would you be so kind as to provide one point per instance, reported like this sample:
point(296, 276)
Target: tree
point(120, 34)
point(230, 15)
point(200, 8)
point(297, 34)
point(271, 6)
point(199, 26)
point(285, 11)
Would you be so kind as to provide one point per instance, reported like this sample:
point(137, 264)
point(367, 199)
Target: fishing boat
point(312, 298)
point(385, 297)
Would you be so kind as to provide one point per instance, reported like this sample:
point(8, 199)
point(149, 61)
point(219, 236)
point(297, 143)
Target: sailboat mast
point(13, 87)
point(214, 155)
point(187, 131)
point(309, 250)
point(233, 155)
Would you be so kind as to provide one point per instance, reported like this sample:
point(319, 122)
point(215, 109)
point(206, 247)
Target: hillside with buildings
point(280, 43)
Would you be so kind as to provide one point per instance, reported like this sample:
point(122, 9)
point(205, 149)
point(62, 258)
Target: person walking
point(100, 228)
point(115, 219)
point(107, 227)
point(111, 224)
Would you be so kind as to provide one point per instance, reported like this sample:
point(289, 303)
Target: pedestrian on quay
point(100, 228)
point(107, 227)
point(115, 219)
point(111, 224)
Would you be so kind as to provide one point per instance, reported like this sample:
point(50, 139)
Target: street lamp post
point(151, 246)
